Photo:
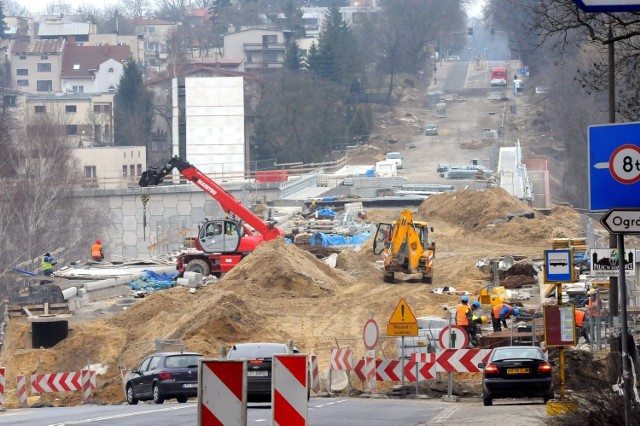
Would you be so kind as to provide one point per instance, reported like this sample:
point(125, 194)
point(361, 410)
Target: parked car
point(431, 130)
point(164, 375)
point(259, 358)
point(454, 58)
point(516, 372)
point(396, 157)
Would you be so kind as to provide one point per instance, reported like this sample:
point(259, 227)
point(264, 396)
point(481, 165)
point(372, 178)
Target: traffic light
point(470, 31)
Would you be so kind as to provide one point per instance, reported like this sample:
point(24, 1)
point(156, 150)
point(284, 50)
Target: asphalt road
point(322, 412)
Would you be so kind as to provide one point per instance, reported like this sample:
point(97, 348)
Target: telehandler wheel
point(200, 266)
point(388, 277)
point(427, 279)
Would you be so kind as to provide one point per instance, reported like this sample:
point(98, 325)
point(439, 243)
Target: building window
point(249, 58)
point(23, 57)
point(44, 86)
point(44, 67)
point(124, 171)
point(269, 39)
point(132, 170)
point(90, 172)
point(72, 129)
point(139, 170)
point(110, 70)
point(22, 82)
point(270, 57)
point(78, 89)
point(22, 71)
point(96, 109)
point(149, 29)
point(70, 109)
point(44, 57)
point(106, 108)
point(155, 145)
point(112, 89)
point(39, 109)
point(9, 100)
point(97, 133)
point(76, 66)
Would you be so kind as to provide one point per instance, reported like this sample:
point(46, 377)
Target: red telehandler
point(221, 243)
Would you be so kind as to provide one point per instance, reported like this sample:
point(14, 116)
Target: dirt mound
point(471, 209)
point(365, 155)
point(358, 263)
point(282, 269)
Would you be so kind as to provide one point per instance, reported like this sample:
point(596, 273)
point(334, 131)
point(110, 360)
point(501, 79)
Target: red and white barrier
point(341, 359)
point(461, 360)
point(389, 370)
point(358, 370)
point(2, 388)
point(426, 367)
point(289, 390)
point(21, 387)
point(86, 386)
point(315, 375)
point(222, 392)
point(371, 373)
point(61, 382)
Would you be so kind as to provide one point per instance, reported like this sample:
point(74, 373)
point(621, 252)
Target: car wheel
point(182, 399)
point(131, 400)
point(200, 266)
point(487, 401)
point(388, 277)
point(158, 398)
point(427, 280)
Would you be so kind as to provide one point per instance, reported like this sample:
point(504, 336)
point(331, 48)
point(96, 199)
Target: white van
point(396, 157)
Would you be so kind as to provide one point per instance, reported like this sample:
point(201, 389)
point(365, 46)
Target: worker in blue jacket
point(500, 313)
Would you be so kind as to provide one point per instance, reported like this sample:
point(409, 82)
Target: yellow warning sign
point(403, 314)
point(407, 329)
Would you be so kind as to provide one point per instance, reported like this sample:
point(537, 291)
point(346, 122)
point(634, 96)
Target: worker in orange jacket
point(464, 316)
point(500, 313)
point(595, 312)
point(96, 251)
point(581, 330)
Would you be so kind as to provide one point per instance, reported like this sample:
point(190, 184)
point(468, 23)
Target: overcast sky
point(40, 6)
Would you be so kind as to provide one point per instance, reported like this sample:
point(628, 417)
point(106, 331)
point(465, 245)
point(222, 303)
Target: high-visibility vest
point(96, 250)
point(594, 307)
point(579, 318)
point(461, 315)
point(46, 264)
point(498, 308)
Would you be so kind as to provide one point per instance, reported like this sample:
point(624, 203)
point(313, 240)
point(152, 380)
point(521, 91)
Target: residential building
point(92, 69)
point(36, 64)
point(18, 26)
point(118, 40)
point(152, 35)
point(261, 48)
point(111, 167)
point(87, 117)
point(55, 28)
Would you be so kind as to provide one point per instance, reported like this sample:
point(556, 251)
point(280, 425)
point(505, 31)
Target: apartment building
point(92, 69)
point(260, 48)
point(36, 65)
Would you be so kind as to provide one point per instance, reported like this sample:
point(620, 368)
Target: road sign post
point(622, 221)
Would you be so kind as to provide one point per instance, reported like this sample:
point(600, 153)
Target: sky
point(40, 6)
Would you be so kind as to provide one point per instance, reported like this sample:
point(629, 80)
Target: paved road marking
point(444, 415)
point(118, 416)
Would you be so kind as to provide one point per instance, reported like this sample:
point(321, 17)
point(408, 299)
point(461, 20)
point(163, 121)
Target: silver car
point(431, 130)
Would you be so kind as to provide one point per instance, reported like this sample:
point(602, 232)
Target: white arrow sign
point(622, 221)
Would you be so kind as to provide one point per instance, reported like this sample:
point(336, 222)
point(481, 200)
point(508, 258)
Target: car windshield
point(431, 126)
point(511, 353)
point(256, 351)
point(393, 155)
point(182, 361)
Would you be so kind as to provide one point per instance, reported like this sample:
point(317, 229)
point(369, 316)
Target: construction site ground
point(281, 292)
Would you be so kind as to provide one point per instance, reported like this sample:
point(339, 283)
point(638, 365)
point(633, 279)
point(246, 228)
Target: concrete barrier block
point(196, 277)
point(183, 281)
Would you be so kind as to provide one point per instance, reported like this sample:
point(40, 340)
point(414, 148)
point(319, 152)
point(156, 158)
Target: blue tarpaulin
point(153, 281)
point(326, 212)
point(321, 239)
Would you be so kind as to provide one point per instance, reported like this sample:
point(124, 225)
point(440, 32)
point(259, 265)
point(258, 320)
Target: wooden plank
point(29, 314)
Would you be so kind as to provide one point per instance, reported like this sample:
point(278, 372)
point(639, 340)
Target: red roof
point(86, 58)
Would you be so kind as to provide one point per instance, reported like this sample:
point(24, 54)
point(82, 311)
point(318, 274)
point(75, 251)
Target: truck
point(441, 109)
point(499, 76)
point(407, 247)
point(221, 243)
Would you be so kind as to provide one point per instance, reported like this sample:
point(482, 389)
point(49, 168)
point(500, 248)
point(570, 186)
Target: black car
point(259, 359)
point(164, 375)
point(515, 372)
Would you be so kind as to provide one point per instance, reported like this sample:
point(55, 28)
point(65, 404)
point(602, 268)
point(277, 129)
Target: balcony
point(257, 47)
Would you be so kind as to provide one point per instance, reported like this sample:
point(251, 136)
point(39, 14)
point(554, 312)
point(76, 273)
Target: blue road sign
point(608, 5)
point(558, 266)
point(614, 166)
point(523, 71)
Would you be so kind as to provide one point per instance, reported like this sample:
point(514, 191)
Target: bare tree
point(173, 10)
point(134, 8)
point(13, 8)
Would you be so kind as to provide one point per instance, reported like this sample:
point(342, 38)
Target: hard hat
point(516, 311)
point(47, 254)
point(465, 299)
point(98, 242)
point(483, 319)
point(592, 291)
point(476, 304)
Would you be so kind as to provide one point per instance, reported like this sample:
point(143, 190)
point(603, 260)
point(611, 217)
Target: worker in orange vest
point(96, 251)
point(464, 316)
point(595, 312)
point(580, 329)
point(500, 313)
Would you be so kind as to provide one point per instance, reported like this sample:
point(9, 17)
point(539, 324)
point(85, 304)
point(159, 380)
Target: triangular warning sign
point(402, 314)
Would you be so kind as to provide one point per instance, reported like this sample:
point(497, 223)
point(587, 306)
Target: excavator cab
point(220, 236)
point(382, 239)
